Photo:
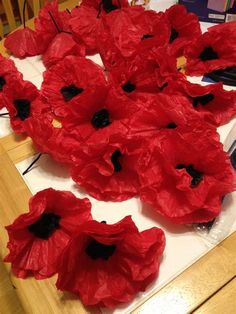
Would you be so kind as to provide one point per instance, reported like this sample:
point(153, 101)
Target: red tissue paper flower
point(50, 22)
point(184, 27)
point(211, 51)
point(37, 238)
point(137, 78)
point(109, 172)
point(86, 20)
point(180, 183)
point(8, 72)
point(106, 114)
point(21, 100)
point(168, 114)
point(25, 43)
point(129, 32)
point(71, 83)
point(107, 265)
point(212, 102)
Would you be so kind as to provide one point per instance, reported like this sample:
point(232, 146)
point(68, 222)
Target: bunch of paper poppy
point(104, 264)
point(134, 127)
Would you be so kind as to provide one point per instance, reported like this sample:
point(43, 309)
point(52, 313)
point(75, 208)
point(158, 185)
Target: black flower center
point(147, 36)
point(69, 92)
point(97, 250)
point(100, 119)
point(108, 6)
point(171, 125)
point(115, 160)
point(174, 34)
point(202, 100)
point(128, 87)
point(2, 82)
point(196, 175)
point(208, 54)
point(23, 108)
point(45, 226)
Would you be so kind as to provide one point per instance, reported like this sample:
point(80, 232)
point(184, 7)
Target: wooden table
point(208, 286)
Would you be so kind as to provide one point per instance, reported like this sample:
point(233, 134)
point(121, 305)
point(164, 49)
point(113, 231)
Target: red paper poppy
point(107, 265)
point(22, 100)
point(166, 114)
point(84, 26)
point(24, 43)
point(105, 115)
point(50, 22)
point(184, 27)
point(211, 51)
point(129, 32)
point(182, 185)
point(212, 102)
point(109, 172)
point(138, 78)
point(8, 72)
point(61, 46)
point(71, 83)
point(37, 238)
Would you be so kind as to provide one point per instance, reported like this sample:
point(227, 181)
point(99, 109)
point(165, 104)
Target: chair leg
point(9, 13)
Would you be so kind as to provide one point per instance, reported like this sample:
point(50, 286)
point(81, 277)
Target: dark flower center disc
point(196, 175)
point(147, 36)
point(171, 125)
point(128, 87)
point(203, 100)
point(100, 119)
point(174, 34)
point(23, 108)
point(2, 82)
point(108, 6)
point(45, 226)
point(97, 250)
point(69, 92)
point(208, 54)
point(115, 160)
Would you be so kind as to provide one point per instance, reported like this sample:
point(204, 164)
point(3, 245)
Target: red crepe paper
point(211, 51)
point(61, 46)
point(71, 84)
point(183, 28)
point(138, 78)
point(211, 102)
point(84, 26)
point(106, 265)
point(20, 99)
point(105, 6)
point(37, 238)
point(109, 173)
point(8, 72)
point(25, 43)
point(182, 185)
point(50, 22)
point(105, 115)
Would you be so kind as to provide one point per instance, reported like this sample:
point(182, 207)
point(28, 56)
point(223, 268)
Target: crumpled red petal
point(25, 43)
point(62, 45)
